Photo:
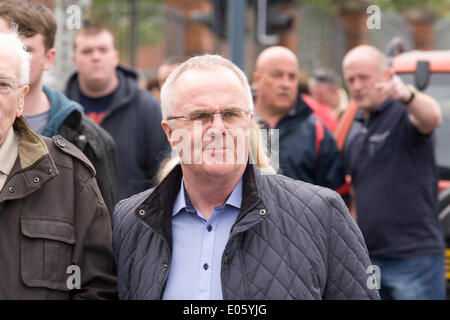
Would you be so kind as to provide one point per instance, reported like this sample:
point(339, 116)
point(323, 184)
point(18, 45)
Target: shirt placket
point(208, 236)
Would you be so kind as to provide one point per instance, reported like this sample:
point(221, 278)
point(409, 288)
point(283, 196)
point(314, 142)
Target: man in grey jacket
point(222, 226)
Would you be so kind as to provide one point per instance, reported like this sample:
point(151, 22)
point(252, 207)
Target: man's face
point(95, 58)
point(41, 58)
point(164, 72)
point(361, 74)
point(324, 93)
point(11, 93)
point(277, 83)
point(216, 148)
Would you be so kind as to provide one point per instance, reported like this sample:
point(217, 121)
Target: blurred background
point(319, 31)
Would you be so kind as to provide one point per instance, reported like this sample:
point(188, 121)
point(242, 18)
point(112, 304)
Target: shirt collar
point(8, 152)
point(183, 202)
point(386, 103)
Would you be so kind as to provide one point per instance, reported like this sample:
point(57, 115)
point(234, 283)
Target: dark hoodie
point(134, 121)
point(299, 158)
point(67, 119)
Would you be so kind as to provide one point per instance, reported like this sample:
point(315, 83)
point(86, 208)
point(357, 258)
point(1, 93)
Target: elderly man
point(55, 232)
point(219, 227)
point(307, 149)
point(389, 153)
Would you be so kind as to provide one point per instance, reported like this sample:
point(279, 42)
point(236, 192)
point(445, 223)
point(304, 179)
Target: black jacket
point(134, 121)
point(291, 240)
point(67, 119)
point(299, 157)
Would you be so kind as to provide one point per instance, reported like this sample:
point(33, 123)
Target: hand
point(394, 88)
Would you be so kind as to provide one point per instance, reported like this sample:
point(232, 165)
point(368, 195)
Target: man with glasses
point(222, 224)
point(55, 231)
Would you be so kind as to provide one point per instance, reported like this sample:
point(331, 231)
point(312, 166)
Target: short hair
point(31, 18)
point(206, 62)
point(92, 29)
point(10, 42)
point(325, 75)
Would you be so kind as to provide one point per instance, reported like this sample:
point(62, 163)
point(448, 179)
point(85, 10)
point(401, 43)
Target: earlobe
point(168, 130)
point(50, 58)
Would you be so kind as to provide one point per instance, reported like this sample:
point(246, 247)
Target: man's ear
point(21, 102)
point(388, 74)
point(117, 56)
point(49, 59)
point(167, 129)
point(256, 77)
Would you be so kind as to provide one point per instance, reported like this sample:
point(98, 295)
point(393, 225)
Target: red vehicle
point(429, 72)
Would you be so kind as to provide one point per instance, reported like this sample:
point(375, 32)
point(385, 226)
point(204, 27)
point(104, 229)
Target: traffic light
point(270, 20)
point(215, 19)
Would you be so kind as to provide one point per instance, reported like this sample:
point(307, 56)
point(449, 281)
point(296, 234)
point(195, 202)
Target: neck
point(98, 89)
point(36, 101)
point(209, 192)
point(269, 115)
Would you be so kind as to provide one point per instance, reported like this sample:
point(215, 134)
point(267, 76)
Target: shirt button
point(262, 212)
point(209, 228)
point(205, 266)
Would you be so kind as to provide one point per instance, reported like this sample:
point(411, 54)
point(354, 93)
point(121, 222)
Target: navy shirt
point(395, 180)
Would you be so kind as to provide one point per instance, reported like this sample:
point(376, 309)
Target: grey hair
point(11, 43)
point(205, 62)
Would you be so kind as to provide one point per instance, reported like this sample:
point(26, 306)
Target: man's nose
point(217, 121)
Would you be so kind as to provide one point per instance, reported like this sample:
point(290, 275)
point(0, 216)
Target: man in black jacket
point(218, 226)
point(307, 149)
point(48, 111)
point(111, 97)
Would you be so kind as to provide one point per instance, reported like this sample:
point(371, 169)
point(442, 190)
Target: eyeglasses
point(229, 116)
point(6, 88)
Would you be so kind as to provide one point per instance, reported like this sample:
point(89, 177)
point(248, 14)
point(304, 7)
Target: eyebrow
point(6, 77)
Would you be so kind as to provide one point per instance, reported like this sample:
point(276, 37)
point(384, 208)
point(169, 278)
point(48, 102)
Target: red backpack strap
point(319, 135)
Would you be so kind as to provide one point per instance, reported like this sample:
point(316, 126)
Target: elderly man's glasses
point(229, 116)
point(6, 87)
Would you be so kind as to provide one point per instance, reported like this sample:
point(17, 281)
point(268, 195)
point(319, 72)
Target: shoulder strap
point(319, 135)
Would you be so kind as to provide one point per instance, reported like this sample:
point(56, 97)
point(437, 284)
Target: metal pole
point(133, 31)
point(236, 31)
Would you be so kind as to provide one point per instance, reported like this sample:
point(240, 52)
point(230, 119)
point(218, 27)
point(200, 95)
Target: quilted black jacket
point(291, 240)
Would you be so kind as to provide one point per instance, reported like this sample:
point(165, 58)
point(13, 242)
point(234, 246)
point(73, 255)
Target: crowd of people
point(171, 191)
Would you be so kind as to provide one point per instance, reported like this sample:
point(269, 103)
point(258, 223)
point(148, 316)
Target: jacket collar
point(33, 167)
point(158, 206)
point(382, 107)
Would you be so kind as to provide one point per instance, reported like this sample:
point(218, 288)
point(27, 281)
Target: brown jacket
point(52, 216)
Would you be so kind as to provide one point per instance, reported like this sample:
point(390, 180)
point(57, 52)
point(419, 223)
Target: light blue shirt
point(198, 246)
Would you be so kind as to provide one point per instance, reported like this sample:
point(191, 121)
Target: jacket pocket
point(46, 251)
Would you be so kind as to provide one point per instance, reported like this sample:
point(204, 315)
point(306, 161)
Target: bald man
point(389, 154)
point(307, 150)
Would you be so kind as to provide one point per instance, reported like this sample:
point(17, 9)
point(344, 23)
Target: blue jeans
point(418, 278)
